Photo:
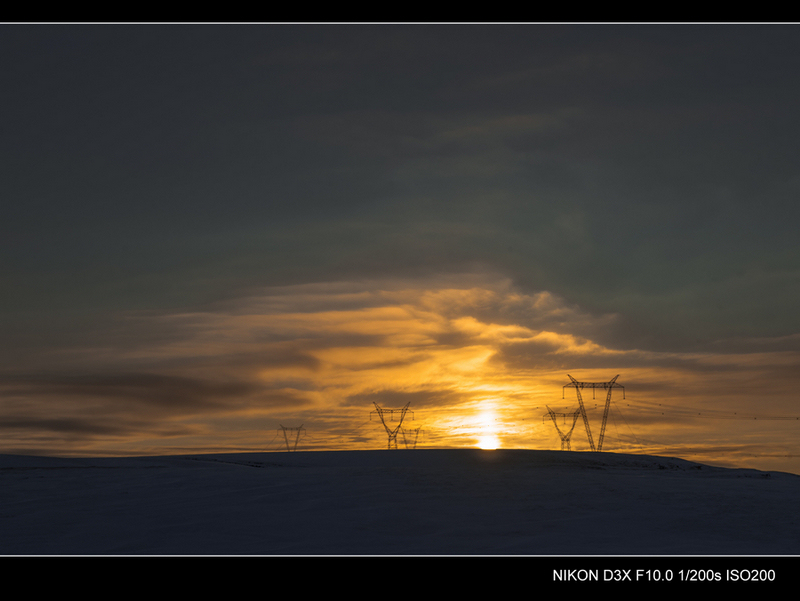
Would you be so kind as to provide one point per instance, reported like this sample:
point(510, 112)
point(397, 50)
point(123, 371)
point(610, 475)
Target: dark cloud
point(75, 428)
point(398, 398)
point(168, 392)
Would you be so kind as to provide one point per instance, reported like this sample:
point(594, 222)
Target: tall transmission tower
point(565, 436)
point(286, 436)
point(392, 432)
point(594, 385)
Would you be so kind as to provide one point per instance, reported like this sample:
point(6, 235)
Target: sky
point(213, 231)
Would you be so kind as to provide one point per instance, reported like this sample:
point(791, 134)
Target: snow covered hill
point(421, 502)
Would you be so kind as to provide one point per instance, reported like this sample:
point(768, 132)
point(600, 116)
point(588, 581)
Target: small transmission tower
point(392, 432)
point(565, 446)
point(410, 437)
point(286, 436)
point(594, 385)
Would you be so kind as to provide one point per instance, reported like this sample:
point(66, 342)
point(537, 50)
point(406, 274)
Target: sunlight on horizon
point(488, 443)
point(477, 366)
point(486, 424)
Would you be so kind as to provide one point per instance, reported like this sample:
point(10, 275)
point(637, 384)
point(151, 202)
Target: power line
point(710, 413)
point(616, 407)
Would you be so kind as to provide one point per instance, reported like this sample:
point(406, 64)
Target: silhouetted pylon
point(594, 385)
point(409, 440)
point(565, 446)
point(392, 432)
point(297, 431)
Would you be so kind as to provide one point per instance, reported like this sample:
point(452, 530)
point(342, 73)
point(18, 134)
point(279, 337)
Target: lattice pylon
point(565, 436)
point(410, 438)
point(297, 430)
point(392, 432)
point(594, 385)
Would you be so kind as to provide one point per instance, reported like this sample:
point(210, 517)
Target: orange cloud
point(458, 349)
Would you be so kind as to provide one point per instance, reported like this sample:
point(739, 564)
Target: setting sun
point(487, 426)
point(489, 442)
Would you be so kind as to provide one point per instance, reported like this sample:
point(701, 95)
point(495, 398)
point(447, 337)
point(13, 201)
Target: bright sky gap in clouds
point(213, 230)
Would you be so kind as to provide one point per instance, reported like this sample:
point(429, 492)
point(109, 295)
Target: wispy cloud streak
point(457, 348)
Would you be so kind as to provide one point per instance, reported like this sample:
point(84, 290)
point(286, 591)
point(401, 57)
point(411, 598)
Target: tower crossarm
point(595, 385)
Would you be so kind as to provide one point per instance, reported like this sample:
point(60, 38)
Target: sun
point(486, 424)
point(488, 442)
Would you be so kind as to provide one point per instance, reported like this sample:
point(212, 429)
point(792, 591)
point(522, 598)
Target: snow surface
point(418, 502)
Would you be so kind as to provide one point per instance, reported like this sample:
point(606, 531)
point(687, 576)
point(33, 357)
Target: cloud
point(476, 356)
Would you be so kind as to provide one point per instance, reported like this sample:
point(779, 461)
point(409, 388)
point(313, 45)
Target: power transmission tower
point(594, 385)
point(565, 446)
point(296, 436)
point(411, 443)
point(392, 432)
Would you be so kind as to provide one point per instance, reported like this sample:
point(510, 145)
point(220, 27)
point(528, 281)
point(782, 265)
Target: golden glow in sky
point(477, 361)
point(487, 427)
